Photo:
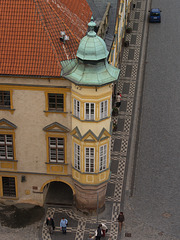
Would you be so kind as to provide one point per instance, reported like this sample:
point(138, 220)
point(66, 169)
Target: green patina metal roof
point(91, 67)
point(92, 47)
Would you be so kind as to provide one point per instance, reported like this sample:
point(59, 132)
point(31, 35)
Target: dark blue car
point(155, 15)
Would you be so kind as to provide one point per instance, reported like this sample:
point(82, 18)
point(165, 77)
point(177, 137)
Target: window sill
point(56, 112)
point(7, 109)
point(8, 160)
point(53, 163)
point(9, 198)
point(84, 120)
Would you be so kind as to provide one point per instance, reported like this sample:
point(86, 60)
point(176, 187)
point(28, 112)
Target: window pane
point(56, 101)
point(9, 152)
point(9, 139)
point(56, 149)
point(5, 99)
point(102, 157)
point(52, 141)
point(2, 138)
point(60, 155)
point(89, 159)
point(6, 146)
point(52, 155)
point(2, 152)
point(9, 189)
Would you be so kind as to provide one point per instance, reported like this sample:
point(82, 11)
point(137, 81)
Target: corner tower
point(92, 79)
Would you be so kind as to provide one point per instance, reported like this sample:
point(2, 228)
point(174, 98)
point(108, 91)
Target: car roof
point(155, 10)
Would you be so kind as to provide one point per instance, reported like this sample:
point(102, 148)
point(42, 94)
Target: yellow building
point(55, 124)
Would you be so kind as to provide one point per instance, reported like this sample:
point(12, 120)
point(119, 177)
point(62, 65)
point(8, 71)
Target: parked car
point(155, 15)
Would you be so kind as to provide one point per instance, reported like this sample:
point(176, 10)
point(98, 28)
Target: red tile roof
point(30, 35)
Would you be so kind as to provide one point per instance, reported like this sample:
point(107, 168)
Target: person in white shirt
point(104, 229)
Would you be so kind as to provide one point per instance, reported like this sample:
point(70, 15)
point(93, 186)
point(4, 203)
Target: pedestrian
point(120, 220)
point(104, 229)
point(118, 100)
point(98, 233)
point(63, 225)
point(50, 224)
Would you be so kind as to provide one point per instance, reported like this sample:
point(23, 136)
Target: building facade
point(55, 111)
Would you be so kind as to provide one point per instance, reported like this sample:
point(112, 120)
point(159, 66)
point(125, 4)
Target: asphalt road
point(153, 212)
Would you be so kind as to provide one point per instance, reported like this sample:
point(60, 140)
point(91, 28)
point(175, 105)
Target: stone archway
point(58, 193)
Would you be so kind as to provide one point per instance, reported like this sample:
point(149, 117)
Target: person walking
point(63, 225)
point(98, 232)
point(118, 100)
point(104, 229)
point(50, 224)
point(120, 220)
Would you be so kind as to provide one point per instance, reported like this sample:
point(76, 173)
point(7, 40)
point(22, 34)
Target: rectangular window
point(89, 111)
point(56, 150)
point(5, 99)
point(104, 109)
point(6, 147)
point(55, 102)
point(76, 108)
point(9, 187)
point(102, 157)
point(89, 159)
point(77, 158)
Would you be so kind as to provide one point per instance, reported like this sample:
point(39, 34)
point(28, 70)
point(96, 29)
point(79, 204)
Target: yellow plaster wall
point(25, 191)
point(95, 95)
point(29, 103)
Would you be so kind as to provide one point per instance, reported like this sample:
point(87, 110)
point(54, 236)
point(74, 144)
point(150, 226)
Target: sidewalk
point(80, 226)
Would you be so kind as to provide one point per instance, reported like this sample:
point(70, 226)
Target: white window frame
point(103, 109)
point(89, 115)
point(102, 157)
point(54, 150)
point(7, 147)
point(77, 156)
point(76, 108)
point(89, 160)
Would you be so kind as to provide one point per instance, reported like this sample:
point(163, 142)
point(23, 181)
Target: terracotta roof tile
point(30, 35)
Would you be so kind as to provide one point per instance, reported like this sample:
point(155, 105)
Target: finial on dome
point(91, 25)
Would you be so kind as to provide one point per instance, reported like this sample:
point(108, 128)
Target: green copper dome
point(92, 47)
point(91, 67)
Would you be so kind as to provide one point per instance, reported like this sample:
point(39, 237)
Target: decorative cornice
point(56, 127)
point(7, 125)
point(89, 136)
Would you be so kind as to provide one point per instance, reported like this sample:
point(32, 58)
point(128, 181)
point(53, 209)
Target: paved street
point(153, 212)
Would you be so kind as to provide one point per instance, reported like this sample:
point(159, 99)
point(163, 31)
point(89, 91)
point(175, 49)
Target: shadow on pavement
point(20, 215)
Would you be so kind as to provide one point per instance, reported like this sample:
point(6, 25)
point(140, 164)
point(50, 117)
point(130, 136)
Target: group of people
point(102, 228)
point(100, 231)
point(51, 226)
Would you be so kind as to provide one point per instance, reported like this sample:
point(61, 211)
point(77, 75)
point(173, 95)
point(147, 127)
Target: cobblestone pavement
point(80, 226)
point(30, 232)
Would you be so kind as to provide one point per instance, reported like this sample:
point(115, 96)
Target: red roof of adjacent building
point(30, 35)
